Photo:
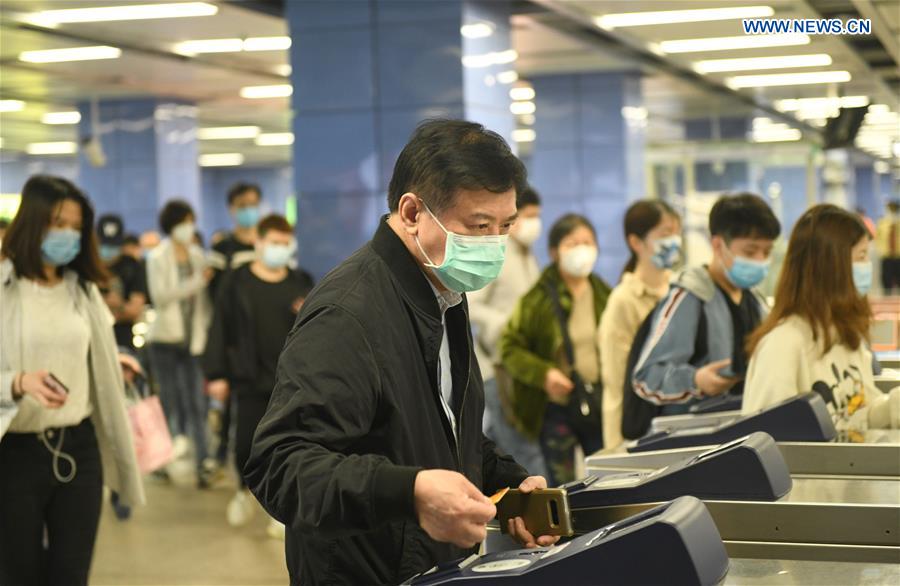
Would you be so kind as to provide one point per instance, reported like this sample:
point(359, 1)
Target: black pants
point(890, 274)
point(250, 410)
point(32, 500)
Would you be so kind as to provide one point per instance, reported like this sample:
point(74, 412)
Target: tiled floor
point(181, 537)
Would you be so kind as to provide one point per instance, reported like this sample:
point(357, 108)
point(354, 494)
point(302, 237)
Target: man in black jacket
point(371, 451)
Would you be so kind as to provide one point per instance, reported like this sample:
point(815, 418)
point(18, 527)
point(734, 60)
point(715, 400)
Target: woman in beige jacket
point(65, 432)
point(652, 231)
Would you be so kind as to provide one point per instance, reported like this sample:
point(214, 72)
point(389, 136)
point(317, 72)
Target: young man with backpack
point(692, 345)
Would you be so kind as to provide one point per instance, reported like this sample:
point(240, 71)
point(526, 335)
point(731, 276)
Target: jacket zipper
point(462, 403)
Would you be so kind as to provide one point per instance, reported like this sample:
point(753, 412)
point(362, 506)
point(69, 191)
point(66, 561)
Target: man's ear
point(408, 210)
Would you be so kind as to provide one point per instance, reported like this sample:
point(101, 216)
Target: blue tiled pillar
point(151, 156)
point(364, 75)
point(587, 157)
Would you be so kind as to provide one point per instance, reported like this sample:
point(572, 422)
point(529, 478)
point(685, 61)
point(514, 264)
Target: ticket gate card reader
point(803, 418)
point(750, 468)
point(723, 402)
point(675, 543)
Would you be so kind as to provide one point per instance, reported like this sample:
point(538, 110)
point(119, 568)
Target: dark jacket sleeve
point(500, 470)
point(215, 356)
point(301, 465)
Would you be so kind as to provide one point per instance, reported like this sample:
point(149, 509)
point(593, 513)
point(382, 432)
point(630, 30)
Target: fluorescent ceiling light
point(879, 109)
point(209, 46)
point(881, 167)
point(733, 43)
point(477, 30)
point(522, 108)
point(524, 135)
point(635, 113)
point(255, 92)
point(789, 134)
point(52, 18)
point(508, 76)
point(521, 93)
point(488, 59)
point(275, 139)
point(233, 45)
point(228, 132)
point(267, 43)
point(777, 79)
point(71, 54)
point(221, 160)
point(11, 105)
point(51, 148)
point(73, 117)
point(527, 119)
point(794, 105)
point(284, 70)
point(611, 21)
point(755, 63)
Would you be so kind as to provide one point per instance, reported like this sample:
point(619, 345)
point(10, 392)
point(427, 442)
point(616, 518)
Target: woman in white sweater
point(177, 276)
point(815, 338)
point(64, 428)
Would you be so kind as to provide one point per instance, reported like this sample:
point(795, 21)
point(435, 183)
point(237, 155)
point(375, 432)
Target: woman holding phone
point(63, 422)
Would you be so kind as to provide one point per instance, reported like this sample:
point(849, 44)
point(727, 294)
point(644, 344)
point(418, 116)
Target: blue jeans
point(181, 393)
point(525, 451)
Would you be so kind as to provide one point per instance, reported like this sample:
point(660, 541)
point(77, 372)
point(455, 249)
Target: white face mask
point(527, 231)
point(579, 261)
point(184, 232)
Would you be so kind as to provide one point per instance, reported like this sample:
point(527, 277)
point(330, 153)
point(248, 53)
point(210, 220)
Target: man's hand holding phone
point(516, 526)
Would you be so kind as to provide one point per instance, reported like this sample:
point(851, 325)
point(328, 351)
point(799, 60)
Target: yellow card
point(495, 498)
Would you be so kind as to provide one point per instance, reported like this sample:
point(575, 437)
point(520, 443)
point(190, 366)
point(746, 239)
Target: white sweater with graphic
point(788, 362)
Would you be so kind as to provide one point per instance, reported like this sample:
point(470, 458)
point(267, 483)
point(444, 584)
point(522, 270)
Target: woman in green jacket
point(533, 353)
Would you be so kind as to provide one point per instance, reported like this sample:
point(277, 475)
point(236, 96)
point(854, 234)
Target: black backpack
point(638, 413)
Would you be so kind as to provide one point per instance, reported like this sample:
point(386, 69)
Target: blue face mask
point(247, 217)
point(746, 273)
point(109, 252)
point(862, 276)
point(666, 252)
point(276, 256)
point(61, 246)
point(470, 262)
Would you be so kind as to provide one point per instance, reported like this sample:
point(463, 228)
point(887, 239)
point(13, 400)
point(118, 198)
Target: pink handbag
point(152, 440)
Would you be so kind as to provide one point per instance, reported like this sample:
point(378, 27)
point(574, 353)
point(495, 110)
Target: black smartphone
point(56, 384)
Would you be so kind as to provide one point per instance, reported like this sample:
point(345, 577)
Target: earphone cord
point(59, 454)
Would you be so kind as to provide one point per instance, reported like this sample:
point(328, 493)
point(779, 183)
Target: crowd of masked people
point(74, 288)
point(561, 351)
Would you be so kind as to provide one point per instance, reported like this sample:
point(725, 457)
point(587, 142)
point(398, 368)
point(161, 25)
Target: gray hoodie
point(664, 374)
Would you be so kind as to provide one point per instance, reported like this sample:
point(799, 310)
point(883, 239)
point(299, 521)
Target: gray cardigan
point(110, 419)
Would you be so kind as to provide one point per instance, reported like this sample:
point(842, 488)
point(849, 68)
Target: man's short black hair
point(174, 213)
point(527, 197)
point(240, 188)
point(130, 239)
point(743, 215)
point(445, 156)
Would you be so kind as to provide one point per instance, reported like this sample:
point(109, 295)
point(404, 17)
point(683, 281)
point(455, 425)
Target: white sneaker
point(240, 509)
point(275, 530)
point(181, 445)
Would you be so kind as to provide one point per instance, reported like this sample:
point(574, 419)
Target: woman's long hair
point(816, 281)
point(41, 198)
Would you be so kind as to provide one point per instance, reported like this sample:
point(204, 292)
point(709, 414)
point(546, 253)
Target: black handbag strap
point(563, 323)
